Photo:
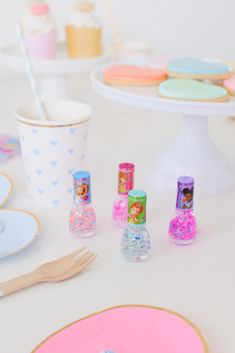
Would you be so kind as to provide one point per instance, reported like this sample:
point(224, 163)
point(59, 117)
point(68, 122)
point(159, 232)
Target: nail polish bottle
point(136, 244)
point(183, 226)
point(82, 221)
point(125, 184)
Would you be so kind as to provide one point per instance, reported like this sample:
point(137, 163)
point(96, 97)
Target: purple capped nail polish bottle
point(183, 226)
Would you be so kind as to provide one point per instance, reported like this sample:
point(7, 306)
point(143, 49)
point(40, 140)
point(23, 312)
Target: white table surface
point(197, 281)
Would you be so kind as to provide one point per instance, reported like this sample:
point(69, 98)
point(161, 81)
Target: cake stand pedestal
point(52, 74)
point(192, 153)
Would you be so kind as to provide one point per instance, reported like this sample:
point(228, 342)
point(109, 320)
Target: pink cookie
point(130, 75)
point(229, 85)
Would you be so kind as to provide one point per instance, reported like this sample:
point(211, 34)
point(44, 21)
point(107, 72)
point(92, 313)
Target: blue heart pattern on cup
point(36, 152)
point(71, 151)
point(54, 142)
point(55, 182)
point(55, 202)
point(54, 163)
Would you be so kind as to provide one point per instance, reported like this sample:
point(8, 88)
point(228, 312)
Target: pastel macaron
point(229, 85)
point(130, 75)
point(192, 90)
point(196, 68)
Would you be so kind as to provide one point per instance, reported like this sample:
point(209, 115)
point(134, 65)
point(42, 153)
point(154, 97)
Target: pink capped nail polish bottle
point(82, 220)
point(183, 226)
point(125, 184)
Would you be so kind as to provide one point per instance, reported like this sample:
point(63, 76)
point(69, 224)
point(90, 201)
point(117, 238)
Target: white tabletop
point(197, 281)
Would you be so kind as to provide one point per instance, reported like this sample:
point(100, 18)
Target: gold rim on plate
point(10, 191)
point(35, 235)
point(196, 329)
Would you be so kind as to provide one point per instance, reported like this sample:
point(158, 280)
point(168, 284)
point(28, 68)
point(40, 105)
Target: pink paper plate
point(128, 329)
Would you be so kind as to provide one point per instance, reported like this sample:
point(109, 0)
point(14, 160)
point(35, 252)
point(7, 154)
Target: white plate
point(6, 186)
point(18, 229)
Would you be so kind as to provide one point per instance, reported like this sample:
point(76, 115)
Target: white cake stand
point(52, 74)
point(192, 153)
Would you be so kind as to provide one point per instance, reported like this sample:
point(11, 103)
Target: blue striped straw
point(39, 104)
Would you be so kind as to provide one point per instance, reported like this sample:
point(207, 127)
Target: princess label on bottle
point(182, 228)
point(82, 221)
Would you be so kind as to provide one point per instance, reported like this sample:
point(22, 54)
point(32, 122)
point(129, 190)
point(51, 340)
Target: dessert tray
point(192, 153)
point(52, 73)
point(128, 329)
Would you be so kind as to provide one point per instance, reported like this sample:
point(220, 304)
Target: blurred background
point(177, 27)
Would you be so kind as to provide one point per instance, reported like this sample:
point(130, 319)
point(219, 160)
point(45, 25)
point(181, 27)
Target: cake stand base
point(194, 154)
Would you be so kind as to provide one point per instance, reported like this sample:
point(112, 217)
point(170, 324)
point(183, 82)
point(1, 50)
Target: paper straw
point(39, 104)
point(114, 28)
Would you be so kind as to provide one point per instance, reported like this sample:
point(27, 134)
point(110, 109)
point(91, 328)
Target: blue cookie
point(195, 68)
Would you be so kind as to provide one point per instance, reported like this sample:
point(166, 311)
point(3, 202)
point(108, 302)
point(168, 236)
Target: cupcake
point(84, 32)
point(39, 31)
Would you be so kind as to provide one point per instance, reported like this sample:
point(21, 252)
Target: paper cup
point(41, 46)
point(52, 150)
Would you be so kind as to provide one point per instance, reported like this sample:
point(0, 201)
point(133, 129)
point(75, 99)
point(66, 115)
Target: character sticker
point(137, 211)
point(185, 198)
point(82, 192)
point(125, 182)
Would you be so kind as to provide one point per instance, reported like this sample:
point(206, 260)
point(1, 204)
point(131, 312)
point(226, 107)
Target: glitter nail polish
point(82, 221)
point(136, 244)
point(125, 184)
point(183, 226)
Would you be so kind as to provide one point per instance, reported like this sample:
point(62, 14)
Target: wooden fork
point(55, 271)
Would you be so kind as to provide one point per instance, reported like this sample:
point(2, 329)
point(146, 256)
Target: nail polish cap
point(82, 187)
point(126, 178)
point(185, 193)
point(137, 207)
